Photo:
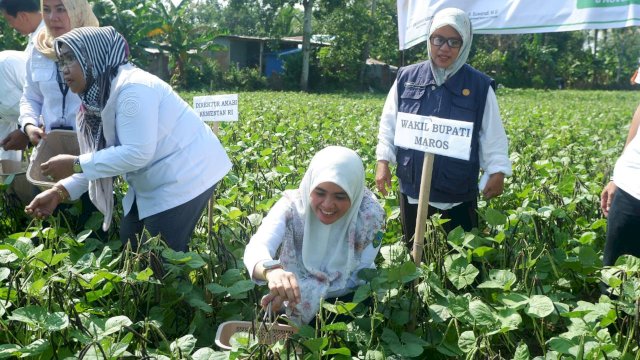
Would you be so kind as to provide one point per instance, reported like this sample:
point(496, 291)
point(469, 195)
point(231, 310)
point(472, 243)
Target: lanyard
point(64, 89)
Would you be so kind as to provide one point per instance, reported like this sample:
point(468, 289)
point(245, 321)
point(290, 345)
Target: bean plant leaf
point(338, 351)
point(209, 354)
point(9, 350)
point(39, 317)
point(494, 217)
point(467, 341)
point(499, 279)
point(374, 355)
point(361, 293)
point(514, 300)
point(36, 348)
point(7, 256)
point(509, 319)
point(481, 313)
point(461, 274)
point(4, 273)
point(410, 346)
point(316, 344)
point(186, 344)
point(540, 306)
point(241, 287)
point(522, 352)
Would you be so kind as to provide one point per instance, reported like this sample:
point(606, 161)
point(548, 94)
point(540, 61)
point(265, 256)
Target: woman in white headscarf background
point(134, 125)
point(46, 102)
point(446, 87)
point(325, 232)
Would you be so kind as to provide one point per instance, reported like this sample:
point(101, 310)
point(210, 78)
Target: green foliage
point(525, 285)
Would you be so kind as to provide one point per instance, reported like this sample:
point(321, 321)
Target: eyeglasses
point(66, 60)
point(439, 41)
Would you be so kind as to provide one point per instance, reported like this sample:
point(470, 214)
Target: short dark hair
point(13, 7)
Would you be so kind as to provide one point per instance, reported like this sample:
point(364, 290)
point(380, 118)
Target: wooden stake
point(423, 208)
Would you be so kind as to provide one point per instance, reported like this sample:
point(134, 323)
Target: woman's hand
point(42, 206)
point(283, 286)
point(58, 167)
point(606, 197)
point(383, 176)
point(34, 133)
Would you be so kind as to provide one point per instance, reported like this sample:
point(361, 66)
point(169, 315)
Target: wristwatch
point(270, 265)
point(76, 165)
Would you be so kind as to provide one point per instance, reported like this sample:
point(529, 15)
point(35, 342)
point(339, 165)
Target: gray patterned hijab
point(100, 52)
point(460, 22)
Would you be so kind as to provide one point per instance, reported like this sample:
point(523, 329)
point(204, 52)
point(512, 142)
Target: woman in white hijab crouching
point(325, 232)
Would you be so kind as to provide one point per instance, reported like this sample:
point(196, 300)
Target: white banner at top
point(518, 16)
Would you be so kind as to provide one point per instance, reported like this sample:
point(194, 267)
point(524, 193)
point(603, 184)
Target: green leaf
point(338, 351)
point(209, 354)
point(522, 352)
point(241, 287)
point(467, 341)
point(461, 274)
point(186, 344)
point(539, 306)
point(316, 344)
point(481, 313)
point(495, 217)
point(39, 317)
point(499, 279)
point(514, 300)
point(37, 347)
point(9, 350)
point(115, 324)
point(4, 273)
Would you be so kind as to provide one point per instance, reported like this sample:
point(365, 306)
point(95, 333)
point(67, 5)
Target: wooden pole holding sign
point(214, 109)
point(431, 135)
point(423, 208)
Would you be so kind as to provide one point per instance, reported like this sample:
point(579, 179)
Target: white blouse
point(12, 74)
point(163, 150)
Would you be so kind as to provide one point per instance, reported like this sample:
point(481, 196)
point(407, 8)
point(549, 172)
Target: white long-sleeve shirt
point(493, 149)
point(42, 95)
point(626, 174)
point(163, 150)
point(265, 243)
point(12, 76)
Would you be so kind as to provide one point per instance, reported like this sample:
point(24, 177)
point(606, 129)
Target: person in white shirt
point(132, 124)
point(46, 102)
point(620, 200)
point(25, 17)
point(12, 74)
point(446, 87)
point(325, 232)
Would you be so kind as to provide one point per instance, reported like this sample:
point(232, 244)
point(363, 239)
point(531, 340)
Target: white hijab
point(328, 255)
point(324, 247)
point(460, 22)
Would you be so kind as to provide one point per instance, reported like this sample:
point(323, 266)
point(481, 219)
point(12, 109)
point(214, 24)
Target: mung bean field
point(526, 285)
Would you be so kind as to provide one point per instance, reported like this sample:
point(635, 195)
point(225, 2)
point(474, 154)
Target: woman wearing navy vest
point(446, 87)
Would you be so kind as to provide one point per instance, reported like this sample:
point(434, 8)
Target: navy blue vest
point(461, 97)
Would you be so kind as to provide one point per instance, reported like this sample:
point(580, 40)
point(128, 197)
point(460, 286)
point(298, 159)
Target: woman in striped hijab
point(134, 125)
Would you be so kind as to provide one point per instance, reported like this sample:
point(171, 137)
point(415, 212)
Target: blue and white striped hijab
point(100, 52)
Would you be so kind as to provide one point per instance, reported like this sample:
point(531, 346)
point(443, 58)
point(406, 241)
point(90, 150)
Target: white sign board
point(217, 107)
point(434, 135)
point(517, 16)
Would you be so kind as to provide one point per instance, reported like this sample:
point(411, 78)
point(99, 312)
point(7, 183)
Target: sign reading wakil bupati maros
point(217, 107)
point(434, 135)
